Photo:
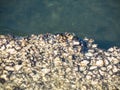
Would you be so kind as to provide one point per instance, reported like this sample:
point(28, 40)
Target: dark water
point(97, 19)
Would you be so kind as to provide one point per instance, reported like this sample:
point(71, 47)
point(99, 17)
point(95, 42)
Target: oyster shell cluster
point(57, 62)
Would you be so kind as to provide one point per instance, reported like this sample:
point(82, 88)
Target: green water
point(97, 19)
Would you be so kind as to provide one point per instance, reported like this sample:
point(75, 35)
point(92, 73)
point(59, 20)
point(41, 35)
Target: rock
point(110, 49)
point(106, 62)
point(2, 47)
point(84, 63)
point(45, 71)
point(11, 51)
point(94, 46)
point(9, 68)
point(93, 67)
point(89, 54)
point(109, 67)
point(103, 68)
point(115, 69)
point(99, 63)
point(76, 43)
point(17, 67)
point(115, 61)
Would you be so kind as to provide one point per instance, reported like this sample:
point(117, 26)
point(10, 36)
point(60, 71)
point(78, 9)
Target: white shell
point(17, 67)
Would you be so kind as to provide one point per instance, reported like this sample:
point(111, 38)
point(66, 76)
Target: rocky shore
point(57, 62)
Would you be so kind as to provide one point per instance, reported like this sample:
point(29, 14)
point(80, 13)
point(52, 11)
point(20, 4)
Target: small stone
point(2, 36)
point(89, 54)
point(110, 49)
point(55, 52)
point(107, 54)
point(106, 62)
point(103, 68)
point(91, 50)
point(84, 63)
point(17, 47)
point(110, 72)
point(9, 68)
point(82, 68)
point(84, 87)
point(99, 63)
point(95, 82)
point(101, 72)
point(45, 71)
point(115, 69)
point(88, 77)
point(19, 62)
point(94, 46)
point(115, 61)
point(4, 76)
point(93, 67)
point(109, 67)
point(76, 43)
point(75, 69)
point(2, 80)
point(68, 70)
point(17, 88)
point(11, 51)
point(17, 67)
point(2, 48)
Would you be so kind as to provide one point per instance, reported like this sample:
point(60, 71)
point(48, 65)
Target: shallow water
point(97, 19)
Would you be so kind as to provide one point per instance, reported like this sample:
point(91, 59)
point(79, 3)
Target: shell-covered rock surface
point(57, 62)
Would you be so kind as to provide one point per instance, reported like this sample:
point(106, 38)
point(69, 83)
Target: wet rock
point(2, 80)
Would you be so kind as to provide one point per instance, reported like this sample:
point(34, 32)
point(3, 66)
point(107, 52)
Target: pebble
point(115, 61)
point(9, 68)
point(88, 77)
point(17, 67)
point(89, 54)
point(103, 68)
point(106, 62)
point(101, 72)
point(115, 69)
point(11, 51)
point(94, 46)
point(93, 67)
point(84, 63)
point(110, 49)
point(76, 43)
point(2, 47)
point(99, 63)
point(45, 71)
